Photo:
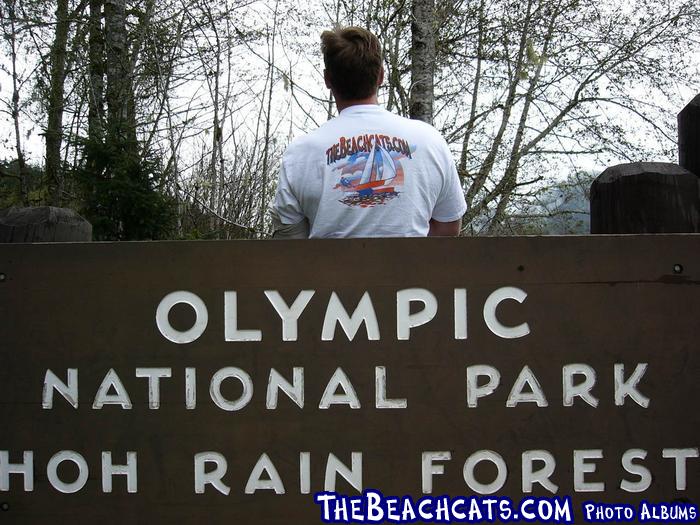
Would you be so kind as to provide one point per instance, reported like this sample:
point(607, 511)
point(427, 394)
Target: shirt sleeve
point(289, 231)
point(450, 204)
point(286, 206)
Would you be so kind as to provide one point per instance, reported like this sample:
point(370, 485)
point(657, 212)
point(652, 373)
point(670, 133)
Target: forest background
point(166, 119)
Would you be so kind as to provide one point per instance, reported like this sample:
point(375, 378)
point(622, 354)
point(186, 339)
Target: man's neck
point(342, 104)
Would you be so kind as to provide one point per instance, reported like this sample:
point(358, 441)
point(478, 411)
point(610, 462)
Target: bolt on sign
point(244, 382)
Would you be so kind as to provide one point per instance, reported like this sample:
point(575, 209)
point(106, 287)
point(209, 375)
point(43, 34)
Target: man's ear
point(327, 79)
point(381, 77)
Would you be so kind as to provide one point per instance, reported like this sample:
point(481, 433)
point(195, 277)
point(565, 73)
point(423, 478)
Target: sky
point(298, 89)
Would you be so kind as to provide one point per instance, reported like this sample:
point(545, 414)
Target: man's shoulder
point(330, 131)
point(423, 129)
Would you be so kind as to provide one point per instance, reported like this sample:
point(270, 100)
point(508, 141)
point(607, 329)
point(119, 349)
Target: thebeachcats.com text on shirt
point(373, 507)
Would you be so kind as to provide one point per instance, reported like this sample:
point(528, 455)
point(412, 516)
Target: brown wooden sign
point(228, 382)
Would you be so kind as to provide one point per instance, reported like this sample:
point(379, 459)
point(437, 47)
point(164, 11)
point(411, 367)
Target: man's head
point(353, 60)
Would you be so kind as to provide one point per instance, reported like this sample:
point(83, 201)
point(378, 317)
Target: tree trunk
point(119, 83)
point(462, 170)
point(97, 72)
point(422, 60)
point(54, 128)
point(138, 37)
point(509, 181)
point(10, 34)
point(268, 120)
point(479, 181)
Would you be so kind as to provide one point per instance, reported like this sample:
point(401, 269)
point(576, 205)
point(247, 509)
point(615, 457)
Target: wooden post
point(689, 136)
point(43, 224)
point(645, 197)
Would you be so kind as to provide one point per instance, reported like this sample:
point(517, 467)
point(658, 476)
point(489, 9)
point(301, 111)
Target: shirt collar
point(361, 108)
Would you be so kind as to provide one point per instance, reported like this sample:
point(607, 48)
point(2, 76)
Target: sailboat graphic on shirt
point(377, 182)
point(379, 171)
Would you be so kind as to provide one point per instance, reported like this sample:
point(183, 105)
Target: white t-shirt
point(369, 173)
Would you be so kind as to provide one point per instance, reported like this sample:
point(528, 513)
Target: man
point(367, 172)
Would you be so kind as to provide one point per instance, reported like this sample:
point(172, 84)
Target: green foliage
point(10, 193)
point(120, 193)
